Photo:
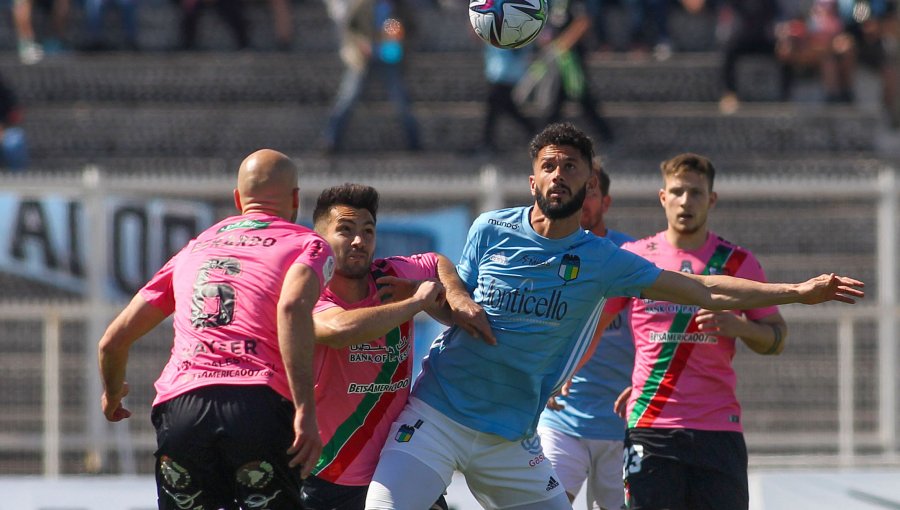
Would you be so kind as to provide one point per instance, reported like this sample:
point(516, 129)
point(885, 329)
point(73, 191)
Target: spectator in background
point(231, 11)
point(747, 28)
point(283, 16)
point(567, 22)
point(94, 11)
point(30, 51)
point(503, 69)
point(820, 41)
point(12, 136)
point(374, 38)
point(869, 22)
point(658, 12)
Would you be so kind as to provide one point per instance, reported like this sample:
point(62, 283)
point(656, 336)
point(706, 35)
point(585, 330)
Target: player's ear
point(713, 198)
point(237, 200)
point(605, 202)
point(662, 197)
point(531, 184)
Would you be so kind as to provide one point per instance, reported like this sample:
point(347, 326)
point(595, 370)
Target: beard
point(354, 272)
point(558, 211)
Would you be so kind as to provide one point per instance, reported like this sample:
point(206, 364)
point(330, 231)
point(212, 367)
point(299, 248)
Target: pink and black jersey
point(362, 388)
point(683, 378)
point(223, 288)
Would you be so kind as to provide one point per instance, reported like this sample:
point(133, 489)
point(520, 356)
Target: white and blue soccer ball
point(508, 24)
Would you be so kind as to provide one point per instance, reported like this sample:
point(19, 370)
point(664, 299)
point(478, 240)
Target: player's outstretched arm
point(719, 292)
point(466, 313)
point(136, 320)
point(338, 328)
point(299, 294)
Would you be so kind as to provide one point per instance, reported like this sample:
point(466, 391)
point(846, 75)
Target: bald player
point(234, 410)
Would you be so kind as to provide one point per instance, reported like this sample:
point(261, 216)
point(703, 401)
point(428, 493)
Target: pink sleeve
point(752, 270)
point(416, 267)
point(317, 255)
point(159, 291)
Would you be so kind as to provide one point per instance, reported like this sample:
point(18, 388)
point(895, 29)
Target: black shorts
point(318, 494)
point(226, 447)
point(685, 469)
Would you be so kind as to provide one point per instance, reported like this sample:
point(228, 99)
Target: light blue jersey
point(543, 298)
point(589, 407)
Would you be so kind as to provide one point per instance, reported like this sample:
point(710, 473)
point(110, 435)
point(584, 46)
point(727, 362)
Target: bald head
point(267, 183)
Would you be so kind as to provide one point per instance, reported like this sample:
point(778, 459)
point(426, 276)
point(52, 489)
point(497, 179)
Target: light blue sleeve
point(633, 274)
point(471, 254)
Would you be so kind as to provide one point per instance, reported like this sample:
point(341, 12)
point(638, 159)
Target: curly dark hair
point(358, 196)
point(563, 133)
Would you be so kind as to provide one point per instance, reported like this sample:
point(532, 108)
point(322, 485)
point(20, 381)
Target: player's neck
point(600, 230)
point(554, 229)
point(687, 241)
point(350, 290)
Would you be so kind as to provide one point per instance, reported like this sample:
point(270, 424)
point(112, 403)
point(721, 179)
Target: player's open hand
point(470, 316)
point(830, 287)
point(112, 405)
point(307, 446)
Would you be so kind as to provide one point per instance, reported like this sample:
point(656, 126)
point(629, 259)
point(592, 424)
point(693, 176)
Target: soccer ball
point(508, 24)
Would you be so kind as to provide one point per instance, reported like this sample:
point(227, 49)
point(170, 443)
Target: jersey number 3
point(212, 304)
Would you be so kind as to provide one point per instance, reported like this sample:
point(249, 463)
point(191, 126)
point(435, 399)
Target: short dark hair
point(563, 133)
point(689, 162)
point(358, 196)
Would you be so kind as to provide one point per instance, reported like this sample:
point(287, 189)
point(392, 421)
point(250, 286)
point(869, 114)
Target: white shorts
point(500, 473)
point(577, 459)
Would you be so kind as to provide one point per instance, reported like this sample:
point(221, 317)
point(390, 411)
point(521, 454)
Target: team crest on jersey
point(406, 432)
point(569, 267)
point(651, 246)
point(686, 267)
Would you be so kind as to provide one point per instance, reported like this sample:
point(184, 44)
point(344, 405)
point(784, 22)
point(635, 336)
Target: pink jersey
point(683, 378)
point(223, 288)
point(362, 388)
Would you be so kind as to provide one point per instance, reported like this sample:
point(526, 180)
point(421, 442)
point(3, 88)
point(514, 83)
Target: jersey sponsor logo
point(366, 353)
point(537, 460)
point(250, 224)
point(234, 240)
point(524, 302)
point(499, 258)
point(551, 484)
point(406, 432)
point(378, 387)
point(531, 260)
point(569, 267)
point(504, 224)
point(653, 307)
point(665, 337)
